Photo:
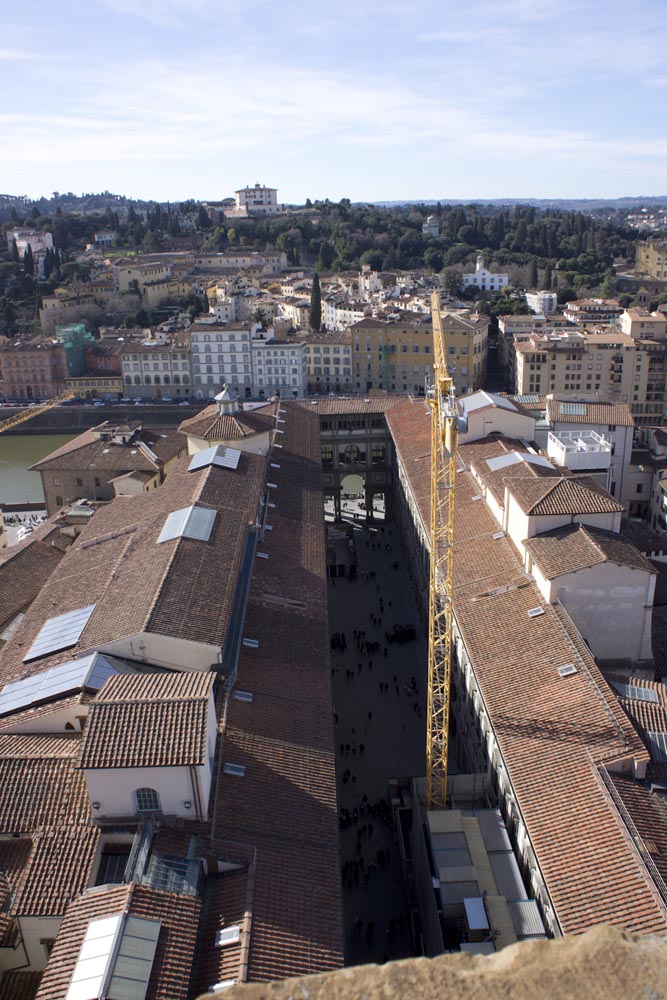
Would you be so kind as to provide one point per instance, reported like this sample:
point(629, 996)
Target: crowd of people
point(378, 704)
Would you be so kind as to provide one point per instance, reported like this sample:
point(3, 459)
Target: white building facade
point(485, 280)
point(220, 355)
point(257, 200)
point(279, 367)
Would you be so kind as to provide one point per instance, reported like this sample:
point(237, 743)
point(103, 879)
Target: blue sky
point(368, 100)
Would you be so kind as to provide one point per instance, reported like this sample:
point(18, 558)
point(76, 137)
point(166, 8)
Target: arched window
point(166, 380)
point(156, 379)
point(146, 800)
point(137, 379)
point(128, 380)
point(147, 379)
point(186, 379)
point(177, 380)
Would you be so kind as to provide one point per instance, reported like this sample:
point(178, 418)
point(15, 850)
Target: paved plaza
point(379, 694)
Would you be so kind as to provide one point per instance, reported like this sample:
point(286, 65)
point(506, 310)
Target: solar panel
point(59, 633)
point(190, 522)
point(527, 397)
point(87, 672)
point(658, 746)
point(223, 458)
point(573, 409)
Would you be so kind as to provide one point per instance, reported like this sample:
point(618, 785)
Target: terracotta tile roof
point(577, 546)
point(496, 479)
point(563, 495)
point(284, 736)
point(213, 426)
point(18, 985)
point(327, 405)
point(14, 855)
point(225, 902)
point(37, 792)
point(648, 812)
point(182, 588)
point(152, 720)
point(88, 451)
point(22, 575)
point(172, 965)
point(58, 870)
point(558, 411)
point(550, 729)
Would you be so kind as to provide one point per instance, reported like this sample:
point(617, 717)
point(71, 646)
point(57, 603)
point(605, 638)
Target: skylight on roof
point(190, 522)
point(59, 633)
point(573, 409)
point(658, 746)
point(87, 672)
point(116, 959)
point(634, 692)
point(502, 461)
point(218, 455)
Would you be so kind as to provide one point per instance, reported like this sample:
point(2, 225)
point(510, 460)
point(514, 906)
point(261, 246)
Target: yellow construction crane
point(443, 479)
point(32, 411)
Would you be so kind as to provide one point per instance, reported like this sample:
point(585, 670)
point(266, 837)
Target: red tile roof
point(563, 495)
point(151, 720)
point(182, 588)
point(578, 546)
point(550, 729)
point(172, 965)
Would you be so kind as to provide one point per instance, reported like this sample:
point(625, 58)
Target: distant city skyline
point(170, 99)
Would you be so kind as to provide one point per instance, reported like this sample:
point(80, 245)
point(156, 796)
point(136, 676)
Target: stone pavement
point(380, 724)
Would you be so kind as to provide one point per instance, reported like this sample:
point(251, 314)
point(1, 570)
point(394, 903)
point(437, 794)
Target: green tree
point(608, 286)
point(203, 218)
point(532, 273)
point(434, 258)
point(315, 315)
point(547, 278)
point(452, 281)
point(15, 251)
point(28, 261)
point(259, 316)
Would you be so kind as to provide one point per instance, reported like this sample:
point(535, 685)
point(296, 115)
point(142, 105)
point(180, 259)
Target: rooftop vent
point(567, 670)
point(251, 643)
point(245, 696)
point(238, 770)
point(498, 534)
point(227, 935)
point(535, 612)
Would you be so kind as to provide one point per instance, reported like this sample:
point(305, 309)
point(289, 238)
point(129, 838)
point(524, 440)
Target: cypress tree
point(315, 317)
point(28, 262)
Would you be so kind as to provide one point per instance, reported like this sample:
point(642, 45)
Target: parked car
point(184, 402)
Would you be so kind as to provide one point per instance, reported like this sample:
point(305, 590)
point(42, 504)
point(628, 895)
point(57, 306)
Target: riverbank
point(74, 419)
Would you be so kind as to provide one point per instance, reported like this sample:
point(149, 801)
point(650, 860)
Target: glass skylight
point(59, 633)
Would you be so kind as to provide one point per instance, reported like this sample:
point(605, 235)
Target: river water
point(17, 453)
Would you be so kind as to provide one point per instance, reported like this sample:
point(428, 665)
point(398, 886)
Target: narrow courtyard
point(378, 662)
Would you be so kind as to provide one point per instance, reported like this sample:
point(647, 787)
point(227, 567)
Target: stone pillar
point(368, 500)
point(338, 516)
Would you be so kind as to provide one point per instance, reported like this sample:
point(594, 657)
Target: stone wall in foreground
point(603, 964)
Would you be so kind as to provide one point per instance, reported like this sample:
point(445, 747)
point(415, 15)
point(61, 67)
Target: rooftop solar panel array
point(86, 672)
point(59, 633)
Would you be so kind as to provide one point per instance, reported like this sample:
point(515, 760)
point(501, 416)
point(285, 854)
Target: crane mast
point(33, 411)
point(441, 582)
